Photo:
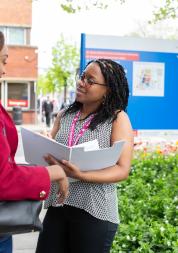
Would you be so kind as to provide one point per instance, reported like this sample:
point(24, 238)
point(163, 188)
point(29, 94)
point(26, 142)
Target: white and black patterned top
point(100, 200)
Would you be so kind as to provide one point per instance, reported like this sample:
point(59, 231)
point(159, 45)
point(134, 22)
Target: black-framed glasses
point(88, 82)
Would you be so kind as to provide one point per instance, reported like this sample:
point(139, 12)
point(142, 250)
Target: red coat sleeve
point(19, 182)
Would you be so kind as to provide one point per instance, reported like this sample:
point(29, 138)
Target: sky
point(49, 21)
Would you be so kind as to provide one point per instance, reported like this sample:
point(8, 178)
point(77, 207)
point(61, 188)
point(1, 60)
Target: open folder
point(36, 146)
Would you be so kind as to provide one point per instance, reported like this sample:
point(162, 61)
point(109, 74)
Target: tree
point(168, 10)
point(72, 6)
point(65, 61)
point(43, 85)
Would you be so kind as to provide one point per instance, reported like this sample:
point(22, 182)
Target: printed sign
point(148, 79)
point(13, 102)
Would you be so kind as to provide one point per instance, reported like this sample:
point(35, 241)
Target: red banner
point(93, 54)
point(14, 102)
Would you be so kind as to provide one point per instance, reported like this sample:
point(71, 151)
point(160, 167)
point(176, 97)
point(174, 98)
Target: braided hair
point(116, 99)
point(1, 40)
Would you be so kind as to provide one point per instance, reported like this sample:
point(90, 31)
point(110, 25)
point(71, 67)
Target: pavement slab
point(26, 243)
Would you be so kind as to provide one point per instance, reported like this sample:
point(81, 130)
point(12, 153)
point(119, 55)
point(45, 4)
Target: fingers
point(67, 167)
point(62, 197)
point(49, 135)
point(45, 133)
point(51, 160)
point(71, 170)
point(63, 190)
point(67, 163)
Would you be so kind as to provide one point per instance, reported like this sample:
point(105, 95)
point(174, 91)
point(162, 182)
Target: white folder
point(36, 146)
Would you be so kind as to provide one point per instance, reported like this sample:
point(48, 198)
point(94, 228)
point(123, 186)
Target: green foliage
point(168, 10)
point(45, 85)
point(148, 203)
point(73, 6)
point(65, 61)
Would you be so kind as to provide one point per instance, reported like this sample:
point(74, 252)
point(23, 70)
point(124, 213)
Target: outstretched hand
point(57, 174)
point(70, 169)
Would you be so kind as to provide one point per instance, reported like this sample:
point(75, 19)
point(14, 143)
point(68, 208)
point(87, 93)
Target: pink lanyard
point(71, 141)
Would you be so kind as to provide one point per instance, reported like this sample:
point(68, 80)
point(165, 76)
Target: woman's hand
point(70, 169)
point(57, 174)
point(46, 133)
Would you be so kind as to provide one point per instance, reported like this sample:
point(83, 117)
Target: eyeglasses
point(88, 82)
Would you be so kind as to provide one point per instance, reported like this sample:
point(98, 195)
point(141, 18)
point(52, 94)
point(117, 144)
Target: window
point(17, 94)
point(2, 29)
point(14, 35)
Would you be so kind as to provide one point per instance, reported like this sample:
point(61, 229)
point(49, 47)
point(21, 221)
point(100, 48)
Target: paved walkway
point(26, 243)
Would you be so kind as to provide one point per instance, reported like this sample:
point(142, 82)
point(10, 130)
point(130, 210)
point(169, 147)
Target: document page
point(96, 159)
point(36, 146)
point(89, 145)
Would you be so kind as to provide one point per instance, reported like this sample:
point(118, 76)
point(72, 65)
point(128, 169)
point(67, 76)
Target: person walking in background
point(47, 109)
point(21, 182)
point(88, 219)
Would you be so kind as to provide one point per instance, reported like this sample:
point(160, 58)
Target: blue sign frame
point(145, 112)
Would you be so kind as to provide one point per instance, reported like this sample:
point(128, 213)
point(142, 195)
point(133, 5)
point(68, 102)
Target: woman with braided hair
point(88, 219)
point(21, 182)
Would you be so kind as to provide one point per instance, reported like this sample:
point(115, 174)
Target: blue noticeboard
point(151, 67)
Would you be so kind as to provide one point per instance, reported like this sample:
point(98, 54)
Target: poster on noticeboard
point(148, 79)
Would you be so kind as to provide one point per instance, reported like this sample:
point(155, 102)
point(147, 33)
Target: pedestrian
point(47, 109)
point(21, 182)
point(88, 219)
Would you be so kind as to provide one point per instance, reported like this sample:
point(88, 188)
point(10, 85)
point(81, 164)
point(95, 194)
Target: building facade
point(18, 86)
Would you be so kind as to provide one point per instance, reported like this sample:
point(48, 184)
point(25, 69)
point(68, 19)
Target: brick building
point(18, 86)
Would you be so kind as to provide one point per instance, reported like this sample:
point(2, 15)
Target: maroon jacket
point(18, 182)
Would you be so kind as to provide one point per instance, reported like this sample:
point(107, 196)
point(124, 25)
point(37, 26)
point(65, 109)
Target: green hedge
point(148, 206)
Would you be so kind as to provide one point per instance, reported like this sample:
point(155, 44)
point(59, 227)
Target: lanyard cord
point(71, 141)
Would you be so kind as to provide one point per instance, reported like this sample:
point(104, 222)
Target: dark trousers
point(72, 230)
point(6, 244)
point(48, 118)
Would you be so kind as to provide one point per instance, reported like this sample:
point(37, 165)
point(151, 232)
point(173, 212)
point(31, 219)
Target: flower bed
point(148, 201)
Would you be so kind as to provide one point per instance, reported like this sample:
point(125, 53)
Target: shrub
point(148, 205)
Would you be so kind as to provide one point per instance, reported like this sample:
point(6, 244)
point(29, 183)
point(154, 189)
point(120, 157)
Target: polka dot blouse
point(100, 200)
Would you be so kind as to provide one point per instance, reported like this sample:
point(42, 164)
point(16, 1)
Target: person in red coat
point(21, 182)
